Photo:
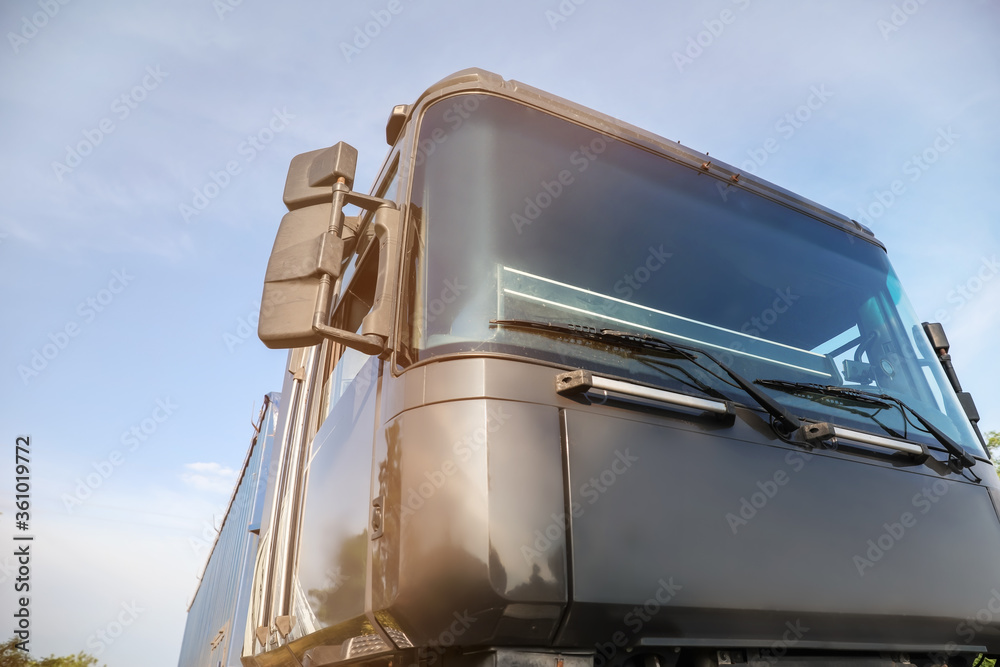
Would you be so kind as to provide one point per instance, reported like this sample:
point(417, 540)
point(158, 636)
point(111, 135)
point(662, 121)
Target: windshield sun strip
point(662, 312)
point(660, 331)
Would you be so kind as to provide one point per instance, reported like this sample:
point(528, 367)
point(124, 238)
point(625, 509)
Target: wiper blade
point(788, 422)
point(622, 339)
point(958, 454)
point(637, 341)
point(825, 390)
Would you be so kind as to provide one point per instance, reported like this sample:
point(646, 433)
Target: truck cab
point(565, 393)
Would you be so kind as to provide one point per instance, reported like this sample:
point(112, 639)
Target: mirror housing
point(936, 336)
point(304, 250)
point(394, 126)
point(311, 175)
point(309, 250)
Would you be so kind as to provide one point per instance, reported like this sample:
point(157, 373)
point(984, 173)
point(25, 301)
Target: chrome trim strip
point(660, 395)
point(585, 382)
point(877, 440)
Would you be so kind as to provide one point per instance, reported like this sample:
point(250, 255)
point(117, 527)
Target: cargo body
point(217, 617)
point(576, 393)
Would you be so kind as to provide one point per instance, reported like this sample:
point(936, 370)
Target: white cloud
point(213, 477)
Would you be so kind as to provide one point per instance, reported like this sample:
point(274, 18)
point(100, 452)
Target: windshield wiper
point(958, 454)
point(781, 417)
point(826, 390)
point(635, 341)
point(626, 340)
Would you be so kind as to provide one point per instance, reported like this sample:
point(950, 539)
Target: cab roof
point(475, 80)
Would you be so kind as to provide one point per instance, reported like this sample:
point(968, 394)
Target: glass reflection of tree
point(386, 551)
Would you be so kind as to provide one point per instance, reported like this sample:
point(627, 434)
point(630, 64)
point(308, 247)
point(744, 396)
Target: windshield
point(517, 214)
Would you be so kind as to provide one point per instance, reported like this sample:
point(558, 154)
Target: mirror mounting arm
point(366, 344)
point(367, 202)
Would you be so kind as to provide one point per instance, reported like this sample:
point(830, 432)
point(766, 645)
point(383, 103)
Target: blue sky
point(147, 375)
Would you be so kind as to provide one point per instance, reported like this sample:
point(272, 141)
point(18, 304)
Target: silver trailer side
point(217, 616)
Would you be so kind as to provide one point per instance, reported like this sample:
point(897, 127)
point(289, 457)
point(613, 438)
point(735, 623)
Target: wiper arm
point(784, 419)
point(958, 454)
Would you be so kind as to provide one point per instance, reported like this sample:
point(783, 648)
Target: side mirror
point(939, 342)
point(304, 251)
point(309, 250)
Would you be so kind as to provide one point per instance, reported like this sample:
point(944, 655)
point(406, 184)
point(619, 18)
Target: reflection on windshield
point(526, 296)
point(516, 214)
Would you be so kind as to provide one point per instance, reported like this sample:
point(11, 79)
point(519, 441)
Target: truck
point(561, 392)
